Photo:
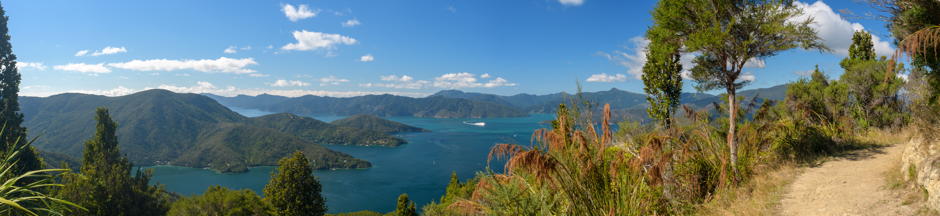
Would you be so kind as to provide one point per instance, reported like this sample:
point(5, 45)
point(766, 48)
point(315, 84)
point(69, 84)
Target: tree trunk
point(732, 145)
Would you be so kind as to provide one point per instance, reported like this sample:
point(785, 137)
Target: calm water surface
point(420, 168)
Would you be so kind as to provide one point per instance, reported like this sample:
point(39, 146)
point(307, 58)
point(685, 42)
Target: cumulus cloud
point(332, 80)
point(82, 53)
point(447, 81)
point(398, 82)
point(109, 50)
point(604, 77)
point(468, 80)
point(571, 2)
point(307, 40)
point(367, 58)
point(90, 69)
point(297, 13)
point(289, 83)
point(351, 23)
point(220, 65)
point(835, 31)
point(402, 78)
point(31, 65)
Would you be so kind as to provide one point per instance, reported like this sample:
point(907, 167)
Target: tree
point(662, 77)
point(915, 24)
point(105, 185)
point(293, 190)
point(872, 87)
point(405, 206)
point(10, 117)
point(727, 34)
point(218, 200)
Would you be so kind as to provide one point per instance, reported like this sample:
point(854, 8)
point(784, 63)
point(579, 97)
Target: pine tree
point(105, 185)
point(293, 190)
point(405, 206)
point(10, 116)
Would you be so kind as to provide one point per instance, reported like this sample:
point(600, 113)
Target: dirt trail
point(853, 185)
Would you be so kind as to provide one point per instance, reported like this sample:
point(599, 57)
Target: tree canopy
point(293, 190)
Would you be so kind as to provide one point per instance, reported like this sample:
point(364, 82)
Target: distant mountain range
point(379, 105)
point(459, 104)
point(162, 127)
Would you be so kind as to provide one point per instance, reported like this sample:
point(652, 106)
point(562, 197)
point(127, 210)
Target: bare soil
point(850, 185)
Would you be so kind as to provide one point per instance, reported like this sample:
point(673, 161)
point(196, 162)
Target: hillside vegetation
point(162, 127)
point(379, 105)
point(370, 122)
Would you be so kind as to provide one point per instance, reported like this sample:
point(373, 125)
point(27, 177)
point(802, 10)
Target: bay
point(421, 168)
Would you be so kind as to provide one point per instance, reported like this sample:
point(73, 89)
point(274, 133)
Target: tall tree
point(10, 117)
point(727, 34)
point(105, 185)
point(405, 207)
point(872, 88)
point(293, 190)
point(662, 76)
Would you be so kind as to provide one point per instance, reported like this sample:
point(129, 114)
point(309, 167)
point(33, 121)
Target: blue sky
point(356, 47)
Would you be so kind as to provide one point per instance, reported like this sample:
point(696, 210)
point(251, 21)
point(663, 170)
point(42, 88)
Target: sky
point(348, 48)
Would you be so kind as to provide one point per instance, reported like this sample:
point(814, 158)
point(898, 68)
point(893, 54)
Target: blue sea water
point(421, 168)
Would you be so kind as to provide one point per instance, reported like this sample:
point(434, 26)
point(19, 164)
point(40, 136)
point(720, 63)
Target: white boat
point(480, 124)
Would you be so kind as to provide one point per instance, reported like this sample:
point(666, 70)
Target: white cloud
point(351, 23)
point(220, 65)
point(367, 58)
point(91, 69)
point(571, 2)
point(81, 53)
point(109, 50)
point(398, 82)
point(604, 77)
point(485, 76)
point(207, 87)
point(307, 40)
point(332, 80)
point(258, 75)
point(447, 81)
point(235, 49)
point(755, 63)
point(289, 83)
point(467, 80)
point(635, 59)
point(297, 13)
point(835, 31)
point(402, 78)
point(33, 65)
point(230, 50)
point(749, 77)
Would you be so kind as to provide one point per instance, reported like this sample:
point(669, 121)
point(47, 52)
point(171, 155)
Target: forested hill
point(371, 122)
point(379, 105)
point(162, 127)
